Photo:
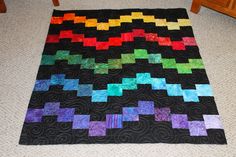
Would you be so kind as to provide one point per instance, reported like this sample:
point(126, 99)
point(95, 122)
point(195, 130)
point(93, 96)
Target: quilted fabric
point(121, 76)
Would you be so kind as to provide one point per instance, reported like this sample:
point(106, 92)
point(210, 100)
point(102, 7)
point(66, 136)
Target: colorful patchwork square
point(162, 114)
point(114, 121)
point(65, 115)
point(51, 108)
point(130, 114)
point(212, 122)
point(146, 107)
point(85, 90)
point(179, 121)
point(99, 96)
point(34, 115)
point(197, 128)
point(81, 121)
point(97, 128)
point(114, 90)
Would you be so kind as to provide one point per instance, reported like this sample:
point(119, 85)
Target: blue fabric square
point(99, 96)
point(143, 78)
point(145, 107)
point(190, 95)
point(66, 115)
point(42, 85)
point(204, 90)
point(158, 83)
point(85, 90)
point(51, 108)
point(57, 79)
point(174, 90)
point(71, 84)
point(130, 114)
point(81, 122)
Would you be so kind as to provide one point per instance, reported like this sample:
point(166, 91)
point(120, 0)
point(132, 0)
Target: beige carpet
point(23, 32)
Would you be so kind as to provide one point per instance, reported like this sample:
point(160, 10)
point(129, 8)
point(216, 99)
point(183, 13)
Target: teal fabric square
point(204, 90)
point(129, 83)
point(144, 78)
point(114, 89)
point(174, 90)
point(158, 84)
point(85, 90)
point(99, 96)
point(190, 95)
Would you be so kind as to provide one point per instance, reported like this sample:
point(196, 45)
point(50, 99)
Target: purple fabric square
point(66, 115)
point(197, 128)
point(51, 108)
point(97, 128)
point(130, 114)
point(34, 115)
point(212, 122)
point(179, 121)
point(162, 114)
point(145, 107)
point(114, 121)
point(81, 121)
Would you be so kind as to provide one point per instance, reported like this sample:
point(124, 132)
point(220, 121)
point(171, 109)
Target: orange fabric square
point(79, 19)
point(56, 20)
point(69, 16)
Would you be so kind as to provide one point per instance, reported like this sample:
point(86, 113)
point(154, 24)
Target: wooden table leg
point(56, 2)
point(3, 7)
point(196, 5)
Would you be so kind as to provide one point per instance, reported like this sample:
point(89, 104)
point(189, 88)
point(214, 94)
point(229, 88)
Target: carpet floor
point(22, 36)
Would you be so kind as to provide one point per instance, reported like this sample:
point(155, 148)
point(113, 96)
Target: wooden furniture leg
point(196, 5)
point(3, 7)
point(56, 2)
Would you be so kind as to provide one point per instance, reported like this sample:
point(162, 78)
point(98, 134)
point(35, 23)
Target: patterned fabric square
point(121, 76)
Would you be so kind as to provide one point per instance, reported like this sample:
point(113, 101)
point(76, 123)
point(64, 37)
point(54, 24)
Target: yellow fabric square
point(173, 26)
point(114, 22)
point(148, 19)
point(137, 15)
point(126, 19)
point(91, 23)
point(103, 26)
point(184, 22)
point(160, 22)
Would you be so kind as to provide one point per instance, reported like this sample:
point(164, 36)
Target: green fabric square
point(62, 55)
point(127, 58)
point(196, 63)
point(129, 83)
point(114, 64)
point(154, 58)
point(114, 89)
point(144, 78)
point(184, 68)
point(140, 54)
point(101, 68)
point(168, 63)
point(74, 59)
point(47, 60)
point(88, 63)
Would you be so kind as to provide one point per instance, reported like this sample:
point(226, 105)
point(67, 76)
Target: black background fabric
point(146, 130)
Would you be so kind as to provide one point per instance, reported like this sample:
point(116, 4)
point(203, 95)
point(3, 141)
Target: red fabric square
point(90, 41)
point(151, 37)
point(102, 45)
point(66, 34)
point(127, 37)
point(138, 33)
point(189, 41)
point(52, 39)
point(178, 45)
point(115, 41)
point(164, 41)
point(77, 38)
point(56, 20)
